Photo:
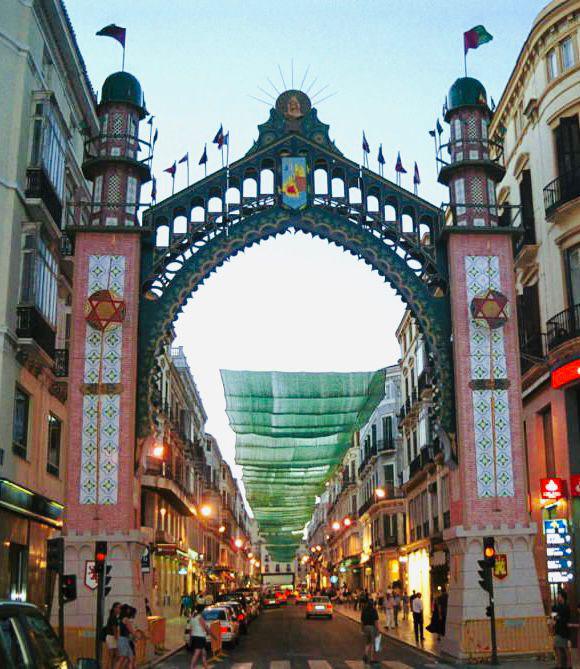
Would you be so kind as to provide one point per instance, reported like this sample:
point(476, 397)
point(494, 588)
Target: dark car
point(28, 641)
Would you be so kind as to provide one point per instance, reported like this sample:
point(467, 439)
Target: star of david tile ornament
point(492, 307)
point(104, 310)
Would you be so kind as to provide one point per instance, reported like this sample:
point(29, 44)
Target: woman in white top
point(199, 631)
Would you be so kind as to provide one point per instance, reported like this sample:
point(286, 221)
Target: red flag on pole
point(116, 32)
point(171, 170)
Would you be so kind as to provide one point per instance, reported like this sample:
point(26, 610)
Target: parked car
point(229, 626)
point(240, 614)
point(28, 640)
point(319, 607)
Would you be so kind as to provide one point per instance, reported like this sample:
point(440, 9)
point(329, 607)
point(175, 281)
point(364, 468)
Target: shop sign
point(166, 549)
point(575, 485)
point(500, 567)
point(146, 560)
point(558, 551)
point(91, 577)
point(566, 374)
point(551, 489)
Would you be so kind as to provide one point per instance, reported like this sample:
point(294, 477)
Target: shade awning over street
point(292, 431)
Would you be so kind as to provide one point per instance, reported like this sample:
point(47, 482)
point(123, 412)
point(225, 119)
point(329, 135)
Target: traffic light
point(485, 576)
point(489, 551)
point(68, 585)
point(107, 579)
point(55, 554)
point(488, 611)
point(100, 556)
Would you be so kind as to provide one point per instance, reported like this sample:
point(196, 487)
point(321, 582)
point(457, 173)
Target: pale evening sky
point(294, 303)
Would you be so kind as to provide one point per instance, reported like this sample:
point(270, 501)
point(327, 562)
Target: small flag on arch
point(439, 128)
point(154, 189)
point(150, 120)
point(171, 170)
point(380, 157)
point(399, 165)
point(155, 136)
point(219, 137)
point(203, 159)
point(116, 32)
point(416, 177)
point(474, 38)
point(365, 145)
point(185, 159)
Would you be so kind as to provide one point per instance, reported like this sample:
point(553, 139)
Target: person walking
point(369, 619)
point(389, 611)
point(112, 632)
point(405, 602)
point(417, 609)
point(396, 606)
point(125, 653)
point(561, 613)
point(199, 632)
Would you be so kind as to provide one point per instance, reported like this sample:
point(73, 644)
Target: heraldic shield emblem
point(294, 182)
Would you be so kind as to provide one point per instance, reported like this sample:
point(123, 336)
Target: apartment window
point(20, 422)
point(49, 145)
point(387, 429)
point(568, 146)
point(389, 474)
point(548, 441)
point(529, 321)
point(40, 277)
point(54, 435)
point(573, 263)
point(460, 196)
point(552, 62)
point(567, 53)
point(374, 436)
point(415, 447)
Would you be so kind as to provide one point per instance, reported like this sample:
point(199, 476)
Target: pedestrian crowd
point(120, 635)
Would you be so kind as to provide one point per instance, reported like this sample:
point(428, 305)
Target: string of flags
point(399, 168)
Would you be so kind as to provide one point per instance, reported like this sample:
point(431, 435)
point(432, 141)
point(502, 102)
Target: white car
point(230, 627)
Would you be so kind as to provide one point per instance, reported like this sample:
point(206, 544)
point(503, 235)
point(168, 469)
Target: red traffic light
point(100, 557)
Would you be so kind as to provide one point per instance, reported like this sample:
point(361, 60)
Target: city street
point(283, 639)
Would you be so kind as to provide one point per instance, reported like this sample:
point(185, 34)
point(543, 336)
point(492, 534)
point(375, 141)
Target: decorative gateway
point(294, 182)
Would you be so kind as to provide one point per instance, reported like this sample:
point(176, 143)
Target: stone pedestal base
point(521, 621)
point(128, 586)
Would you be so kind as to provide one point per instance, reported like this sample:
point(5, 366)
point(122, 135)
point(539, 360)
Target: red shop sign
point(575, 485)
point(552, 489)
point(566, 374)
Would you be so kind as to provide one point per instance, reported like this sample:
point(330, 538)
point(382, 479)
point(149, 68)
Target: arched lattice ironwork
point(196, 230)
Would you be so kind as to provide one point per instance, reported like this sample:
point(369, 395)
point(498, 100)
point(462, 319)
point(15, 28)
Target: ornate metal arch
point(391, 229)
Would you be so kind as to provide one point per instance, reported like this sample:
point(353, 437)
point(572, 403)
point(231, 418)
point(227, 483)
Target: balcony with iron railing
point(533, 351)
point(563, 327)
point(168, 478)
point(39, 189)
point(120, 147)
point(470, 151)
point(561, 190)
point(31, 326)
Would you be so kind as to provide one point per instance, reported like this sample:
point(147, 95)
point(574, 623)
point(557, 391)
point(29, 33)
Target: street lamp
point(250, 555)
point(238, 543)
point(319, 548)
point(336, 525)
point(221, 528)
point(380, 493)
point(347, 522)
point(158, 451)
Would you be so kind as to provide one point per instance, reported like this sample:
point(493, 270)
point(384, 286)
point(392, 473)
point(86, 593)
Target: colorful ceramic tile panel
point(103, 354)
point(491, 416)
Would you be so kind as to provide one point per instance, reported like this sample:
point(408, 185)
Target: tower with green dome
point(488, 486)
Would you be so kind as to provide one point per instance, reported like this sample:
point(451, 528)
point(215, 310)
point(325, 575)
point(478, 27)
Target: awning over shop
point(292, 431)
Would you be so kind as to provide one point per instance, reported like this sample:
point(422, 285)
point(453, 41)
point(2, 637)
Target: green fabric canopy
point(292, 431)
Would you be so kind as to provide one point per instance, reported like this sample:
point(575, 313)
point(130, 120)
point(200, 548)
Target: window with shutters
point(527, 204)
point(568, 146)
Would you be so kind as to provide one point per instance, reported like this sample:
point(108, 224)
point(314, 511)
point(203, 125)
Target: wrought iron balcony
point(60, 368)
point(528, 237)
point(532, 351)
point(31, 325)
point(563, 189)
point(563, 326)
point(415, 466)
point(425, 380)
point(38, 187)
point(385, 445)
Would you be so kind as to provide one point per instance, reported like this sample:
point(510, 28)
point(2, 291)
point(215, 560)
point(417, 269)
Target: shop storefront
point(386, 571)
point(171, 578)
point(27, 521)
point(419, 575)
